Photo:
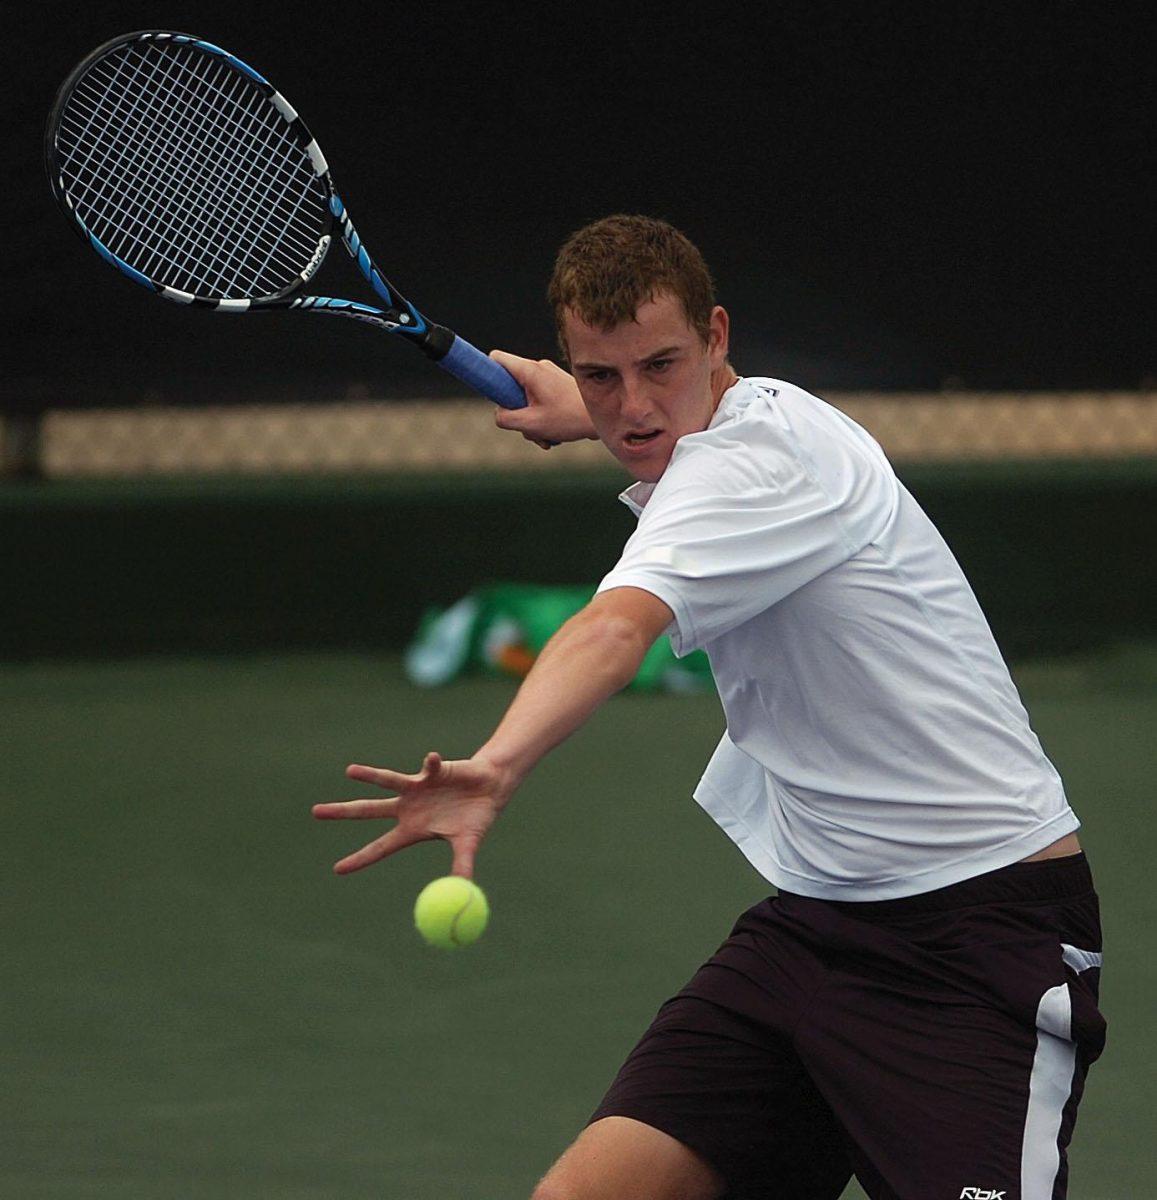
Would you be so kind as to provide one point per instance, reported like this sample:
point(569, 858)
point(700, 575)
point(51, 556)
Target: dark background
point(890, 195)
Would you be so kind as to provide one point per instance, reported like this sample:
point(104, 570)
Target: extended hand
point(457, 801)
point(554, 411)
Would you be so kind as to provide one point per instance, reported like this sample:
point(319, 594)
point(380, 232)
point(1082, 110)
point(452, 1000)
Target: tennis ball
point(451, 912)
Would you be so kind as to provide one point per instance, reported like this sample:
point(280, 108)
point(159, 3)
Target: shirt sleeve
point(738, 522)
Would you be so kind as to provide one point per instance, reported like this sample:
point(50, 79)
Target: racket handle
point(474, 368)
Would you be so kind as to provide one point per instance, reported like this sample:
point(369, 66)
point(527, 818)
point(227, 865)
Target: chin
point(649, 466)
point(645, 472)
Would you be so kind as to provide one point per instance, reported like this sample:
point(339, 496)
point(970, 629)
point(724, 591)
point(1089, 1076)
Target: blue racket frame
point(449, 350)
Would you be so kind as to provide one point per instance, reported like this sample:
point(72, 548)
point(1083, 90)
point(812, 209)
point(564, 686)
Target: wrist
point(508, 775)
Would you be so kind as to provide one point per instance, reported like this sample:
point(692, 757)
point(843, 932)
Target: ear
point(718, 333)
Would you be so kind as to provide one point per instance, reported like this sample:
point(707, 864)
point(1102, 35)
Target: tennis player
point(918, 1004)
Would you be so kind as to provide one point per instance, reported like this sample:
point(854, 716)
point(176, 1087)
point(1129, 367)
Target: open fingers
point(356, 810)
point(396, 781)
point(376, 850)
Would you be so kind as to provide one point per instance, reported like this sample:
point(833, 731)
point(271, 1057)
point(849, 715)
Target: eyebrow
point(666, 352)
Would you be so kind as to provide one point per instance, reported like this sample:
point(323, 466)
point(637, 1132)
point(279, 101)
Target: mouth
point(638, 441)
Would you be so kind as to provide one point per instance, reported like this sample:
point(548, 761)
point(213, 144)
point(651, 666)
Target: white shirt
point(875, 746)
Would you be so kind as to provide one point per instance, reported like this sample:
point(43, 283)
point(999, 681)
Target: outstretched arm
point(595, 654)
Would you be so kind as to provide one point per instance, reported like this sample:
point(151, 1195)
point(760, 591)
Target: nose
point(636, 399)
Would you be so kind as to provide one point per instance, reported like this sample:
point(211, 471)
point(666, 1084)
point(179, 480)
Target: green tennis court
point(196, 1007)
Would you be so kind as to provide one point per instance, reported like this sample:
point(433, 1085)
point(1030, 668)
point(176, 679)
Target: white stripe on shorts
point(1050, 1086)
point(1080, 960)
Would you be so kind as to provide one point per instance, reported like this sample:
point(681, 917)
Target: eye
point(660, 364)
point(599, 376)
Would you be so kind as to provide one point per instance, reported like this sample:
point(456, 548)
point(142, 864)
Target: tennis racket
point(187, 171)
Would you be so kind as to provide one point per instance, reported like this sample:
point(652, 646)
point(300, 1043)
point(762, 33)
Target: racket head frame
point(397, 315)
point(450, 351)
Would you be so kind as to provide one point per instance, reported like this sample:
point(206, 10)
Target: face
point(649, 381)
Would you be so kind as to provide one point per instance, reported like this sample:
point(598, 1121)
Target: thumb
point(520, 368)
point(512, 418)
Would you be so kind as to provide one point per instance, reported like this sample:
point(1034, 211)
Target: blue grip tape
point(469, 364)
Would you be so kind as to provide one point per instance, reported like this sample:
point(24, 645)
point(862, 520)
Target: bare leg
point(618, 1158)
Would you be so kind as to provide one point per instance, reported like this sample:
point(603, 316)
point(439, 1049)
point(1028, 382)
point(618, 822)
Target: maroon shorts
point(934, 1046)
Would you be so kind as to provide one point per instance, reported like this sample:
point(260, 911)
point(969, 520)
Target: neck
point(722, 378)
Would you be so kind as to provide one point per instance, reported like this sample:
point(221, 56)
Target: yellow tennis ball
point(451, 912)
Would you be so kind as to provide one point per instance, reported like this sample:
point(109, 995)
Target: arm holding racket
point(554, 410)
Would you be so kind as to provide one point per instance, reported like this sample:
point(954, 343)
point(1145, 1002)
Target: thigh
point(736, 1095)
point(618, 1158)
point(933, 1095)
point(961, 1074)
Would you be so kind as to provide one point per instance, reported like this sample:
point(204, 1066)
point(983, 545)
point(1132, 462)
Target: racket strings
point(159, 199)
point(181, 180)
point(172, 179)
point(184, 168)
point(257, 177)
point(206, 176)
point(142, 198)
point(167, 183)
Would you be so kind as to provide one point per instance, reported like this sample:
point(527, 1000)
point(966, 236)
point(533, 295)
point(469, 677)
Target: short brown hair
point(606, 270)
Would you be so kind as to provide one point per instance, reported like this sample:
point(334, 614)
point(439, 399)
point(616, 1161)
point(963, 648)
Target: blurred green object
point(500, 630)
